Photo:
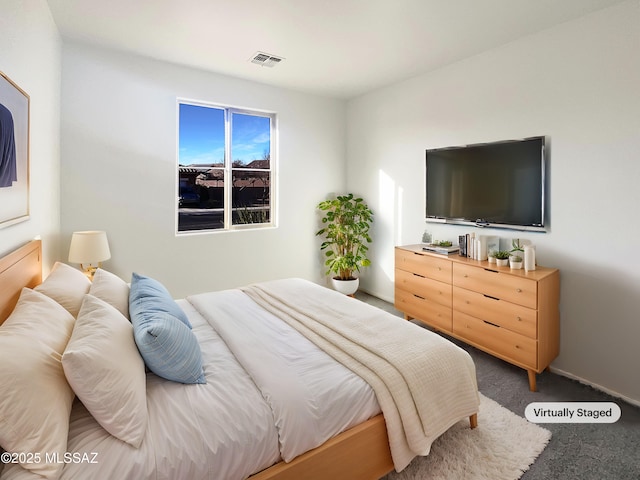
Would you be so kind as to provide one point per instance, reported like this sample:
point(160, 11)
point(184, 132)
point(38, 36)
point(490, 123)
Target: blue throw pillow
point(150, 295)
point(165, 341)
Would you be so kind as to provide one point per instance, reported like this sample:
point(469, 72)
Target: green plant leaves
point(347, 221)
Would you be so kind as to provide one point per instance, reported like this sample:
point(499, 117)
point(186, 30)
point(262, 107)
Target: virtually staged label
point(572, 412)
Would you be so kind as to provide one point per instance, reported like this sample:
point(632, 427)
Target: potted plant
point(491, 256)
point(515, 262)
point(347, 221)
point(517, 252)
point(502, 258)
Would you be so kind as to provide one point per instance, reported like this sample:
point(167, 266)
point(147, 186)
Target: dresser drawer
point(424, 287)
point(496, 340)
point(509, 315)
point(494, 283)
point(430, 312)
point(425, 265)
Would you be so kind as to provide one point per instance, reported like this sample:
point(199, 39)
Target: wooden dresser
point(511, 314)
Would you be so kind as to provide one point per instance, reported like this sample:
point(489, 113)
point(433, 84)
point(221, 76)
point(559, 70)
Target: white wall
point(30, 56)
point(119, 170)
point(577, 84)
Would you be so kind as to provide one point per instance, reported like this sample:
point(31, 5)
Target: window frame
point(228, 169)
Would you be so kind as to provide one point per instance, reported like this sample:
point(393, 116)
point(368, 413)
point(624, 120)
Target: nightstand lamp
point(89, 249)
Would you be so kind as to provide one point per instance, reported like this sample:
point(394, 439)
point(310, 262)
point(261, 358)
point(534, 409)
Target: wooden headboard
point(20, 268)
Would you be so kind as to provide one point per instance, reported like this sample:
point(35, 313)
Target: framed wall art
point(14, 153)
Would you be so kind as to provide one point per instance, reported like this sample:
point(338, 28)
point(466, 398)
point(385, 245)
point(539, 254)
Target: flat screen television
point(499, 184)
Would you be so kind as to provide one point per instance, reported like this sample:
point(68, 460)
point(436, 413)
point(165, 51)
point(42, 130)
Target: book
point(439, 249)
point(462, 243)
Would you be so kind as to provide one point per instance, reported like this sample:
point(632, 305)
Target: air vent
point(265, 59)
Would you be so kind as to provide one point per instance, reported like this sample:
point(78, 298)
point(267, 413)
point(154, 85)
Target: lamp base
point(90, 270)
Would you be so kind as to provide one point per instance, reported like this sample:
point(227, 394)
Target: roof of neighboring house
point(258, 164)
point(192, 169)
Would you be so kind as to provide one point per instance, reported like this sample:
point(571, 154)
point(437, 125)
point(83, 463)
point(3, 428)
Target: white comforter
point(311, 397)
point(424, 383)
point(237, 423)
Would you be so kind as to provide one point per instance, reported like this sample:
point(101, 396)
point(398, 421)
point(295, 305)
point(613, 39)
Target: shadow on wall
point(599, 326)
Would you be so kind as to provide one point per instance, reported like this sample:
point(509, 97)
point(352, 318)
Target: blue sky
point(201, 135)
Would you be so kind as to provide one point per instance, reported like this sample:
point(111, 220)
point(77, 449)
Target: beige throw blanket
point(423, 382)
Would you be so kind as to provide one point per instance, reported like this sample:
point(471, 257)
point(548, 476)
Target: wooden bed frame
point(20, 268)
point(360, 453)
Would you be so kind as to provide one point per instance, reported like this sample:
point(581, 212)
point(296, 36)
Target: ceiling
point(336, 48)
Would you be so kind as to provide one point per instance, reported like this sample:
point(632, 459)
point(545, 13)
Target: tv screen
point(500, 184)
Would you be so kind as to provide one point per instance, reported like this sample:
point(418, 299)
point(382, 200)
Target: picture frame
point(14, 153)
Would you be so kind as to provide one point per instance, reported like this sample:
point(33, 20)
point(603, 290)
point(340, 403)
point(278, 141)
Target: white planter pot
point(502, 262)
point(347, 287)
point(515, 265)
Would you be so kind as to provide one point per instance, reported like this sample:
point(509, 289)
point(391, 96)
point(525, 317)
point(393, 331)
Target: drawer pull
point(492, 324)
point(418, 296)
point(489, 270)
point(492, 298)
point(417, 275)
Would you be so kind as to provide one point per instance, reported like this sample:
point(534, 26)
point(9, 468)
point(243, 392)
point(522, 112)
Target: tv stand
point(510, 314)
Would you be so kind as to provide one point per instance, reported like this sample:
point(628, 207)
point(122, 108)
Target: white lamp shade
point(89, 247)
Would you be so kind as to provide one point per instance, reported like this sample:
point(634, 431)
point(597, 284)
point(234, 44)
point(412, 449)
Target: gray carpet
point(576, 451)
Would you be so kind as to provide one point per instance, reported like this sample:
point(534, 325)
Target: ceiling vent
point(265, 59)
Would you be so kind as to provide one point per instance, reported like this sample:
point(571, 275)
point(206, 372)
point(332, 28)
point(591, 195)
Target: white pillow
point(105, 370)
point(67, 286)
point(112, 289)
point(35, 398)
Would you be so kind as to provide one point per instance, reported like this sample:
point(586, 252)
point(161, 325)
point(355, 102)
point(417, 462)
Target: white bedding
point(231, 426)
point(424, 383)
point(312, 397)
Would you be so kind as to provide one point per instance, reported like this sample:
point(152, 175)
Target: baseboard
point(385, 298)
point(595, 385)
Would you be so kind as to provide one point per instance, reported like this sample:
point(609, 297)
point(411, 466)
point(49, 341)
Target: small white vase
point(502, 262)
point(347, 287)
point(529, 258)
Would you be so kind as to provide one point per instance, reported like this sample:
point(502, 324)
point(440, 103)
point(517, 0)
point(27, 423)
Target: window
point(225, 168)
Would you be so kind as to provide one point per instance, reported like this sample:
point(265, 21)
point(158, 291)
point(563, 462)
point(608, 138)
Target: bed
point(198, 430)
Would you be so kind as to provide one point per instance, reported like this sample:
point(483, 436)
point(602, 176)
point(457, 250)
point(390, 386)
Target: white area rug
point(502, 448)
